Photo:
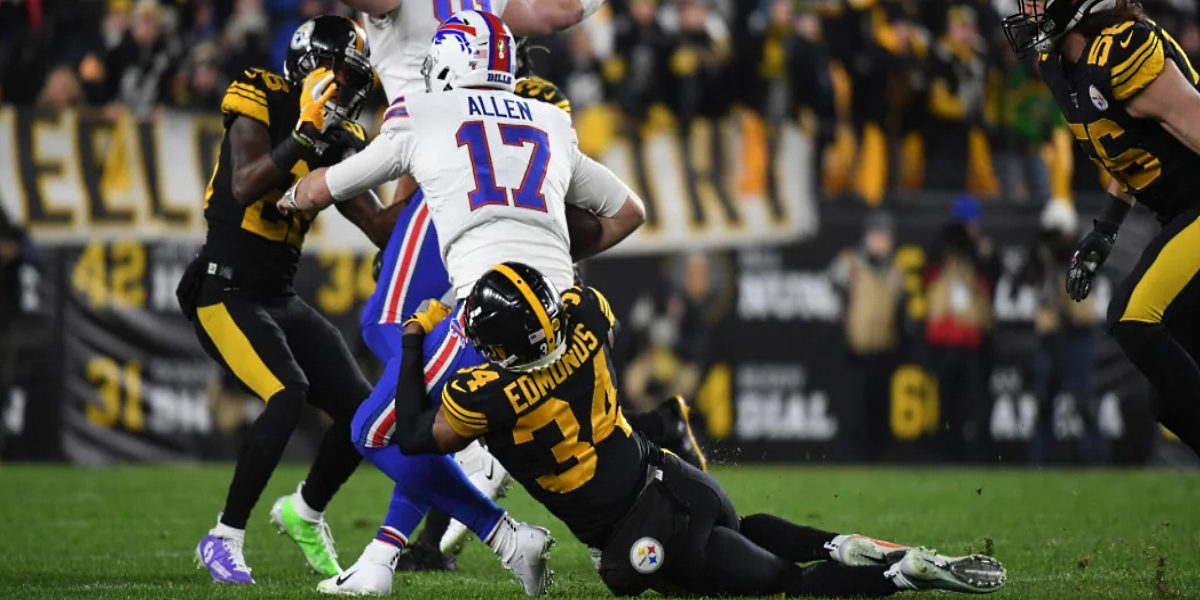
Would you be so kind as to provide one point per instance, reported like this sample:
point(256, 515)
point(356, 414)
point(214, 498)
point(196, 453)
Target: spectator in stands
point(637, 72)
point(698, 61)
point(204, 83)
point(872, 286)
point(1065, 360)
point(246, 36)
point(14, 251)
point(62, 90)
point(140, 69)
point(956, 148)
point(959, 281)
point(1030, 118)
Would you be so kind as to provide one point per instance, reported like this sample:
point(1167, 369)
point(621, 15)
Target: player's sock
point(230, 533)
point(796, 543)
point(436, 522)
point(832, 579)
point(1172, 372)
point(390, 536)
point(503, 537)
point(303, 508)
point(336, 460)
point(260, 453)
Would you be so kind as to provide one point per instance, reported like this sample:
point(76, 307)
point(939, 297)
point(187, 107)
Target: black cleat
point(420, 557)
point(679, 438)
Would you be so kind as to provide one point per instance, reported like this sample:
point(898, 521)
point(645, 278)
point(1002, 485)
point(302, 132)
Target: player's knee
point(291, 398)
point(1135, 335)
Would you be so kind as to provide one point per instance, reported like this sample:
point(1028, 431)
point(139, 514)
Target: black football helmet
point(515, 317)
point(1041, 22)
point(339, 44)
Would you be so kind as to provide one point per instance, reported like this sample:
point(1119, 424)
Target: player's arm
point(374, 8)
point(379, 162)
point(620, 211)
point(256, 169)
point(1174, 102)
point(368, 213)
point(420, 429)
point(543, 17)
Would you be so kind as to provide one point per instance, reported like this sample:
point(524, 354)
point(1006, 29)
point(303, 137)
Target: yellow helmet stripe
point(538, 309)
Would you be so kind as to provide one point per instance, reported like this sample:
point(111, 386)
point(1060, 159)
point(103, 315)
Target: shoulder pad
point(248, 94)
point(1132, 56)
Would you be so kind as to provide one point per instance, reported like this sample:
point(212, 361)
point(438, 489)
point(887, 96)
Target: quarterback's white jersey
point(400, 39)
point(495, 169)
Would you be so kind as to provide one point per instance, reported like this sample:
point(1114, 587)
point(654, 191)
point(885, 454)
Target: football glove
point(1089, 255)
point(429, 314)
point(318, 90)
point(540, 89)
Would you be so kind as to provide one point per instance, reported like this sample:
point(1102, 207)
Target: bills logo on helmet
point(302, 35)
point(646, 555)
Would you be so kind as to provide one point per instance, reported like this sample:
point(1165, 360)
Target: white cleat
point(371, 575)
point(856, 550)
point(530, 563)
point(488, 476)
point(923, 569)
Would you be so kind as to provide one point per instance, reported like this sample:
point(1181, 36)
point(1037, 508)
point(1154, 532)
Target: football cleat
point(423, 557)
point(923, 569)
point(529, 563)
point(313, 538)
point(488, 476)
point(224, 559)
point(856, 550)
point(371, 575)
point(679, 437)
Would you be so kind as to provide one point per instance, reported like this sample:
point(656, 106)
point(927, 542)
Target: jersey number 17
point(529, 195)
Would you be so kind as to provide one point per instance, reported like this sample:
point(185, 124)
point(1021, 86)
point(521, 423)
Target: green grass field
point(130, 532)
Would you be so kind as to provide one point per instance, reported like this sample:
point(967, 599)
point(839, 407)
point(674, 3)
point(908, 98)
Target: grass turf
point(130, 532)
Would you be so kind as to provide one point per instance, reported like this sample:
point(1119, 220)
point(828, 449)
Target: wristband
point(1111, 216)
point(287, 153)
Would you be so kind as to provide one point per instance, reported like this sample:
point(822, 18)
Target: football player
point(400, 33)
point(495, 169)
point(546, 404)
point(1131, 98)
point(238, 290)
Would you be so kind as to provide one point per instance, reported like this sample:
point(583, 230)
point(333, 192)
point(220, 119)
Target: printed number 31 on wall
point(529, 195)
point(442, 9)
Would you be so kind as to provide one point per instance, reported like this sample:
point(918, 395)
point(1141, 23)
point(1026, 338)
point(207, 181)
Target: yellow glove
point(318, 90)
point(429, 314)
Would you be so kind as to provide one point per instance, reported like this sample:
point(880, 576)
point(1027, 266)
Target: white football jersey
point(399, 40)
point(495, 169)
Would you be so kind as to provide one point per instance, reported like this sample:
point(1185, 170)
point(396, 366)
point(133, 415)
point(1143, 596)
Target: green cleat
point(314, 538)
point(923, 569)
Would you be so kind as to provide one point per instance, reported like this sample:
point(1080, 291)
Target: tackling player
point(400, 33)
point(495, 169)
point(238, 291)
point(1131, 98)
point(546, 404)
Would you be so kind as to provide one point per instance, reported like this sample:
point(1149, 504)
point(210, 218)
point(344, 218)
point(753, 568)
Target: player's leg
point(337, 387)
point(1162, 286)
point(244, 338)
point(670, 427)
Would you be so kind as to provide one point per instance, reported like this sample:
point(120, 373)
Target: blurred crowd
point(902, 94)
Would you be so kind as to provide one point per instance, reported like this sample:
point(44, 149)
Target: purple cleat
point(224, 559)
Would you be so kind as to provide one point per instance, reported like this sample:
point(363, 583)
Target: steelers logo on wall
point(646, 555)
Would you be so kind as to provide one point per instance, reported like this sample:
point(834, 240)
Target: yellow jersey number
point(1134, 167)
point(606, 416)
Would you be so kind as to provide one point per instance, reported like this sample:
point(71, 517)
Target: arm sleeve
point(1138, 57)
point(381, 161)
point(596, 188)
point(414, 422)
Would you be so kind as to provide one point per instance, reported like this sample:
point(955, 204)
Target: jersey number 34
point(486, 192)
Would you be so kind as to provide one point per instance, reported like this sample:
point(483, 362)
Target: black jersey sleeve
point(591, 305)
point(474, 402)
point(251, 94)
point(1131, 56)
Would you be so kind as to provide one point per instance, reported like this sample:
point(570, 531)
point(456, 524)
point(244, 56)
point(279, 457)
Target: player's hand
point(318, 90)
point(1089, 255)
point(286, 204)
point(429, 314)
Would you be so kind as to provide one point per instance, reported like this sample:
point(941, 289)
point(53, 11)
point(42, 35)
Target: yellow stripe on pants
point(1171, 270)
point(237, 351)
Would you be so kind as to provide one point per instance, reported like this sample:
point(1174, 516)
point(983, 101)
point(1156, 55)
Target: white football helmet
point(471, 49)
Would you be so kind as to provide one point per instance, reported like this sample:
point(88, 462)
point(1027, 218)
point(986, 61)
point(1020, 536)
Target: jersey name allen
point(510, 108)
point(531, 387)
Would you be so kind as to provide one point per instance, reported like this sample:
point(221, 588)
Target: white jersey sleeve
point(596, 188)
point(400, 39)
point(386, 158)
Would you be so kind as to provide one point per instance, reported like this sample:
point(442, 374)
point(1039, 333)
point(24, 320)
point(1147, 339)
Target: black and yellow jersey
point(1121, 61)
point(560, 430)
point(260, 244)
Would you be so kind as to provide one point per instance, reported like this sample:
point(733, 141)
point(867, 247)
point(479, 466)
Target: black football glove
point(1089, 255)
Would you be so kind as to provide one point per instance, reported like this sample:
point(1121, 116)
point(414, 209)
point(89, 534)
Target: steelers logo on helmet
point(302, 35)
point(646, 555)
point(1098, 99)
